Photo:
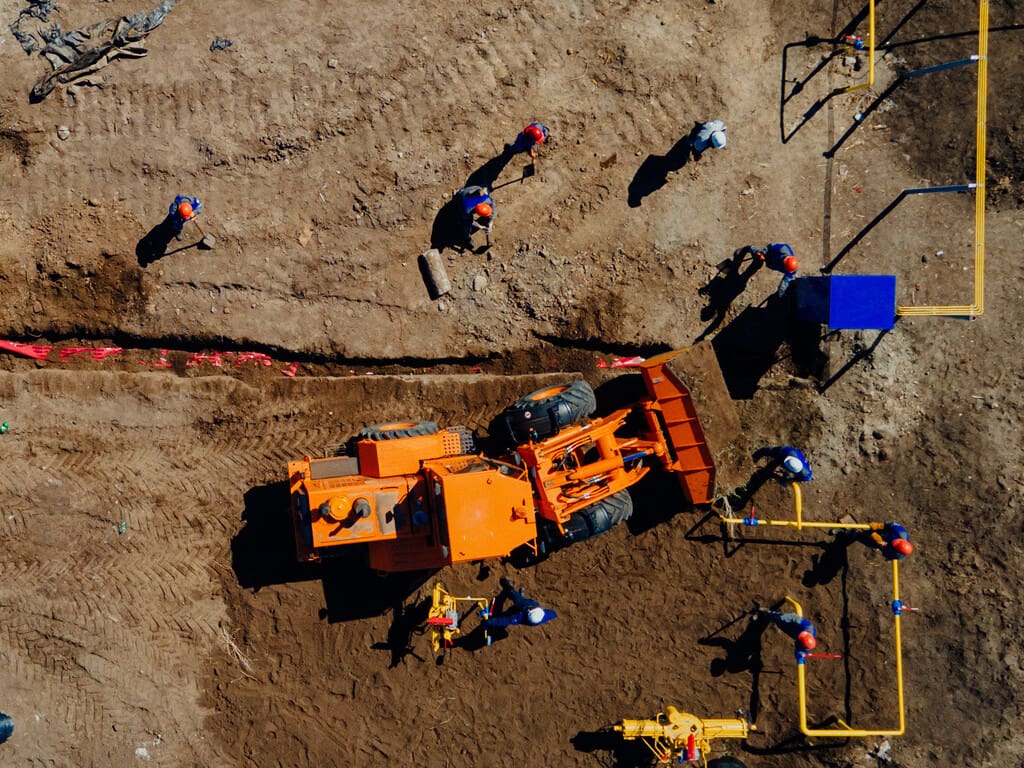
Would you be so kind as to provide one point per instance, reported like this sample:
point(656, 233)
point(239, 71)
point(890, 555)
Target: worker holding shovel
point(183, 210)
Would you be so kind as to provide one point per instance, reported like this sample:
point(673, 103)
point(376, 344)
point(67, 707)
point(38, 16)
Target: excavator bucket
point(709, 453)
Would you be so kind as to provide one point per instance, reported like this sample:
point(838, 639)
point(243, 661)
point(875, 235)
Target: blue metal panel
point(862, 302)
point(853, 302)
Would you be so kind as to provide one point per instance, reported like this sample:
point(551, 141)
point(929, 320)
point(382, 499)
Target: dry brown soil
point(325, 144)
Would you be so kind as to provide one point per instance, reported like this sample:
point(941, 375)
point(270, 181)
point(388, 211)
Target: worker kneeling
point(522, 611)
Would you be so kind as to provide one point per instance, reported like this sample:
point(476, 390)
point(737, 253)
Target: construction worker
point(779, 258)
point(182, 211)
point(805, 636)
point(523, 610)
point(709, 134)
point(892, 540)
point(529, 139)
point(791, 464)
point(477, 209)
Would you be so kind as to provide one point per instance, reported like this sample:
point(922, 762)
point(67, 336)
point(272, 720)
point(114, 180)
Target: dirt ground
point(152, 611)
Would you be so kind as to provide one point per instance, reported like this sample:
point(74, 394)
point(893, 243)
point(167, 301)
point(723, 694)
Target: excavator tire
point(608, 512)
point(543, 413)
point(395, 430)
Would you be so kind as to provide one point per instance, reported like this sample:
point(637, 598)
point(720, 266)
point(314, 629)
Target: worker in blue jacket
point(477, 209)
point(892, 539)
point(789, 462)
point(183, 210)
point(803, 632)
point(779, 257)
point(531, 137)
point(523, 610)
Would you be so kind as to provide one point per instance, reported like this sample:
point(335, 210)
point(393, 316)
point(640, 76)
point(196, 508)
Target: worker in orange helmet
point(529, 139)
point(803, 632)
point(779, 257)
point(892, 539)
point(477, 208)
point(183, 210)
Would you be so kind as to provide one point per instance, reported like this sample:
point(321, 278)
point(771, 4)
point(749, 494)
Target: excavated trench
point(254, 362)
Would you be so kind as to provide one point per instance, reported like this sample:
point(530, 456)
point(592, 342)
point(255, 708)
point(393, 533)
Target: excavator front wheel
point(544, 412)
point(608, 512)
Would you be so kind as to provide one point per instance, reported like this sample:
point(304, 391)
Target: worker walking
point(531, 137)
point(183, 210)
point(477, 208)
point(709, 134)
point(779, 257)
point(891, 539)
point(523, 610)
point(803, 632)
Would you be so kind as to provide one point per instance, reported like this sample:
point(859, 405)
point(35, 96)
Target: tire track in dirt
point(122, 624)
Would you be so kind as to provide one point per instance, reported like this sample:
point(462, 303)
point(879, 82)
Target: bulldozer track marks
point(140, 529)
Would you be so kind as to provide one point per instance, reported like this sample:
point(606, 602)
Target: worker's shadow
point(154, 245)
point(653, 172)
point(725, 287)
point(832, 561)
point(763, 474)
point(407, 624)
point(448, 230)
point(748, 346)
point(742, 654)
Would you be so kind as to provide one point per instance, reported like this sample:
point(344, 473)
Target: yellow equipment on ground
point(444, 618)
point(679, 737)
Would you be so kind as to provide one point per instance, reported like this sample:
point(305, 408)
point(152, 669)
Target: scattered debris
point(332, 63)
point(122, 527)
point(881, 752)
point(220, 44)
point(236, 652)
point(5, 428)
point(63, 132)
point(82, 52)
point(37, 9)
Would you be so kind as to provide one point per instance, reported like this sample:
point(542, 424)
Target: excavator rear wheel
point(564, 404)
point(395, 430)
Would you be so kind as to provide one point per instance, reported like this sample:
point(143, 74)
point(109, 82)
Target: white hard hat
point(535, 615)
point(718, 139)
point(793, 464)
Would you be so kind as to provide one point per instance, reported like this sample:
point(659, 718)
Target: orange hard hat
point(790, 263)
point(807, 640)
point(483, 210)
point(903, 546)
point(535, 132)
point(185, 210)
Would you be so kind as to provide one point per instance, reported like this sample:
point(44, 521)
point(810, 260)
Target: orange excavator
point(421, 497)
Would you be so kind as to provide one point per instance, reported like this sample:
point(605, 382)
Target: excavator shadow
point(263, 554)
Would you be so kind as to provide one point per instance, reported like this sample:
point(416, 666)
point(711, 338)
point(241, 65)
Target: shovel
point(208, 241)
